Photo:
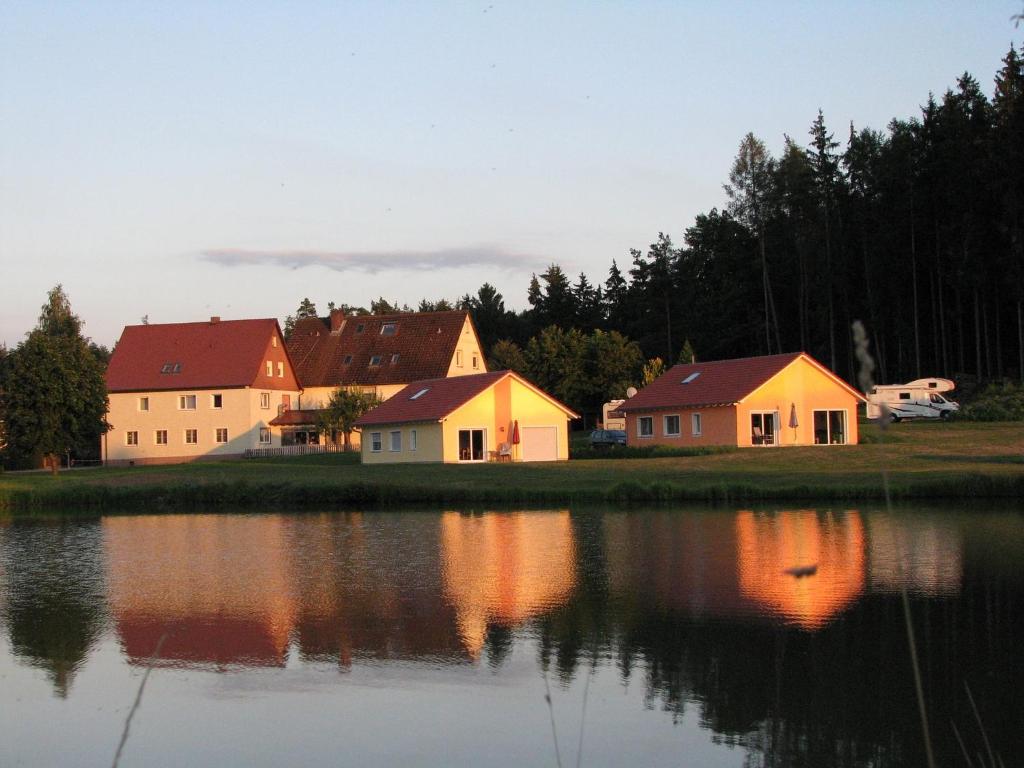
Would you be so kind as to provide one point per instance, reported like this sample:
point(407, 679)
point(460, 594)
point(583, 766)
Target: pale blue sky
point(179, 160)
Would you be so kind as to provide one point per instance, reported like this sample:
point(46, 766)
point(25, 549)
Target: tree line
point(915, 230)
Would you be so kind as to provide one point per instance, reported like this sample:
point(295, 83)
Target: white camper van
point(918, 399)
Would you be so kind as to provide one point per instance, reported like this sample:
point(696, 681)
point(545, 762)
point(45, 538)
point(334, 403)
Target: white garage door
point(539, 443)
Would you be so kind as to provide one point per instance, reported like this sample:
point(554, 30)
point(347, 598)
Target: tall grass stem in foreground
point(138, 699)
point(865, 378)
point(551, 714)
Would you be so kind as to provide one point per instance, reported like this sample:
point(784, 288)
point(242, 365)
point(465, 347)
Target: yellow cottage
point(768, 401)
point(497, 416)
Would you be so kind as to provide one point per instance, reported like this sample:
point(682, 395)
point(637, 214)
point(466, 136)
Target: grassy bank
point(924, 460)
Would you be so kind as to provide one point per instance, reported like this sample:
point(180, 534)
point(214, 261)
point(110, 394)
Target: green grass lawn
point(922, 459)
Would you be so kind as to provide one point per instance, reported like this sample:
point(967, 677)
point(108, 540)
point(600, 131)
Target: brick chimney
point(214, 319)
point(337, 320)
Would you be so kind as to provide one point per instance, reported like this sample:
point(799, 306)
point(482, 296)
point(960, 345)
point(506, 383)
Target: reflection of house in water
point(369, 587)
point(725, 565)
point(769, 545)
point(505, 568)
point(919, 553)
point(217, 587)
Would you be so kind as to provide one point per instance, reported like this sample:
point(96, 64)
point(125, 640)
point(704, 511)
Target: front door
point(471, 445)
point(764, 426)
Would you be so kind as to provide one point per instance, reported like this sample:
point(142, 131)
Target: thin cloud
point(374, 262)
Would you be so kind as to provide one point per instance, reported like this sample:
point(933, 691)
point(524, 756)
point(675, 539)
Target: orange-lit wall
point(718, 427)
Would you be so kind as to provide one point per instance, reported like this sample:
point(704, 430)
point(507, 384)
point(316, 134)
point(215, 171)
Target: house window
point(645, 426)
point(476, 361)
point(360, 328)
point(764, 427)
point(375, 442)
point(375, 361)
point(160, 437)
point(458, 357)
point(270, 368)
point(671, 426)
point(143, 403)
point(221, 435)
point(396, 440)
point(830, 427)
point(131, 438)
point(186, 402)
point(280, 370)
point(264, 399)
point(904, 395)
point(191, 436)
point(273, 341)
point(696, 424)
point(264, 435)
point(412, 439)
point(389, 329)
point(471, 445)
point(216, 401)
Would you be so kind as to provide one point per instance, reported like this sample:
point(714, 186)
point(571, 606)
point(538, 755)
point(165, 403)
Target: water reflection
point(52, 580)
point(695, 606)
point(501, 570)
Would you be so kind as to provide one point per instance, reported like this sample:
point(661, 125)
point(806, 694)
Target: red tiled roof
point(722, 382)
point(440, 397)
point(424, 343)
point(296, 418)
point(228, 353)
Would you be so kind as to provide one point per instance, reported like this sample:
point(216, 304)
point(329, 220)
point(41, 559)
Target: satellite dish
point(631, 392)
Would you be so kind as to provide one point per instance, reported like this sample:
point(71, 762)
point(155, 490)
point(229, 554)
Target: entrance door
point(764, 427)
point(471, 445)
point(539, 443)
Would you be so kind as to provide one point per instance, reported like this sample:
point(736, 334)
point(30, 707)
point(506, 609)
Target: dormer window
point(420, 394)
point(374, 361)
point(389, 329)
point(691, 377)
point(394, 358)
point(360, 328)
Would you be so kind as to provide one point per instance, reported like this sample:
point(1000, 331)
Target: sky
point(189, 159)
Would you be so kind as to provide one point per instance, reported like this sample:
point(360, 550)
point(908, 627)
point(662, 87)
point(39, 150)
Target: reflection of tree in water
point(841, 695)
point(54, 593)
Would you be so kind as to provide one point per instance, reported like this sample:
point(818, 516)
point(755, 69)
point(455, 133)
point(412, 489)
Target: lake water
point(647, 638)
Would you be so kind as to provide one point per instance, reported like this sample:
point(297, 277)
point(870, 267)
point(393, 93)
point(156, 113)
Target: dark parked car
point(606, 438)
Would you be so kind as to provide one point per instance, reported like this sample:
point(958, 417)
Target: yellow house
point(467, 419)
point(184, 391)
point(767, 401)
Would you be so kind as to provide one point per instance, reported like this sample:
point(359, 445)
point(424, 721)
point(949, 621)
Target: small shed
point(497, 416)
point(767, 401)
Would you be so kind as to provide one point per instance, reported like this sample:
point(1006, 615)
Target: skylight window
point(171, 368)
point(348, 359)
point(691, 377)
point(394, 358)
point(420, 394)
point(389, 329)
point(375, 360)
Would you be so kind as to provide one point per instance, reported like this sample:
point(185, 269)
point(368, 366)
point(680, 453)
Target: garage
point(539, 443)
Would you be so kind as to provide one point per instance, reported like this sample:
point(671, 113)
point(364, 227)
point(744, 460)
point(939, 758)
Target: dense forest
point(915, 230)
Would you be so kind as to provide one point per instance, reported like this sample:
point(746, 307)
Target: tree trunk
point(1020, 338)
point(828, 286)
point(977, 334)
point(913, 281)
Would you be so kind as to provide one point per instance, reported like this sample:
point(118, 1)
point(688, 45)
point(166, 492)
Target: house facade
point(376, 354)
point(467, 419)
point(768, 401)
point(186, 391)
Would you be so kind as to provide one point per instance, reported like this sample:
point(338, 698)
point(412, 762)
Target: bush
point(997, 402)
